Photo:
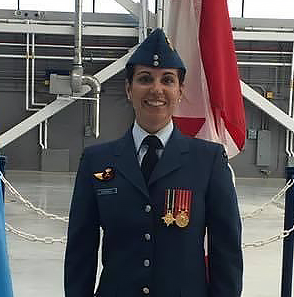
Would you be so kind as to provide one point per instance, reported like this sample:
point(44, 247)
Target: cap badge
point(155, 60)
point(169, 43)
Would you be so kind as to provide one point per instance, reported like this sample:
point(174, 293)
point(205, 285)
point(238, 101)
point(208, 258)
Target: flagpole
point(287, 268)
point(242, 14)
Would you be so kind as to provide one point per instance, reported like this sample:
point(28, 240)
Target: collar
point(139, 134)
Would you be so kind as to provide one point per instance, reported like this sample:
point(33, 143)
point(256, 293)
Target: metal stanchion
point(2, 167)
point(287, 269)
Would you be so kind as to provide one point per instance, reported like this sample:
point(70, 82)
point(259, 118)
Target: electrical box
point(60, 84)
point(263, 148)
point(251, 134)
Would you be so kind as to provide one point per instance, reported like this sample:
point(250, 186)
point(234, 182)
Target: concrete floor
point(37, 268)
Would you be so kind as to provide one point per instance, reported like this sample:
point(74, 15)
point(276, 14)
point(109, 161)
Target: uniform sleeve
point(224, 231)
point(83, 236)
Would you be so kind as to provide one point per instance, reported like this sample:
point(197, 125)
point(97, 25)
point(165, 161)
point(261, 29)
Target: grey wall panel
point(244, 164)
point(263, 154)
point(24, 153)
point(116, 113)
point(65, 131)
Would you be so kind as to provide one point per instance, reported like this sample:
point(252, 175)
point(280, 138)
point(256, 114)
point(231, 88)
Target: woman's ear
point(128, 89)
point(182, 87)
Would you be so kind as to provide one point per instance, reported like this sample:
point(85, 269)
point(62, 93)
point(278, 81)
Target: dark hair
point(130, 74)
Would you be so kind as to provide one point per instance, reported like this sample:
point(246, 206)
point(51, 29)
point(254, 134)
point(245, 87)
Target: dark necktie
point(151, 158)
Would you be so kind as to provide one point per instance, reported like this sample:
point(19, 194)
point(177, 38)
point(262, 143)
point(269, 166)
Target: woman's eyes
point(168, 80)
point(146, 79)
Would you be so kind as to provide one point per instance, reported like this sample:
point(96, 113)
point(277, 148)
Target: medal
point(168, 218)
point(182, 219)
point(183, 205)
point(169, 208)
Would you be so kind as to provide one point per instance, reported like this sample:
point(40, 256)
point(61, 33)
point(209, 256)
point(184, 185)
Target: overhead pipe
point(27, 70)
point(143, 20)
point(95, 85)
point(69, 46)
point(77, 77)
point(46, 134)
point(41, 136)
point(260, 52)
point(127, 48)
point(289, 134)
point(33, 103)
point(57, 58)
point(78, 33)
point(114, 59)
point(66, 23)
point(77, 72)
point(248, 28)
point(159, 13)
point(264, 63)
point(28, 108)
point(291, 112)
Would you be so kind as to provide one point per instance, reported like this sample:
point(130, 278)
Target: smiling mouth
point(154, 103)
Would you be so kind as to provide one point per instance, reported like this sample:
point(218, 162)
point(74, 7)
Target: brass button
point(145, 290)
point(147, 236)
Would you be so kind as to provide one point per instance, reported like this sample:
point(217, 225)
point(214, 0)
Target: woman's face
point(154, 93)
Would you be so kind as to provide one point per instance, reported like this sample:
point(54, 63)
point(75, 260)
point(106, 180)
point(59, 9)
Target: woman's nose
point(157, 87)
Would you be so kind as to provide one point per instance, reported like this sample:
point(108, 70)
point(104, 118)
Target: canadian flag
point(212, 105)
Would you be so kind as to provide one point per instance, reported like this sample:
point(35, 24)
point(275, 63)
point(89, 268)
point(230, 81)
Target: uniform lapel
point(127, 162)
point(172, 157)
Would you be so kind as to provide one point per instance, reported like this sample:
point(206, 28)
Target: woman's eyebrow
point(169, 73)
point(142, 72)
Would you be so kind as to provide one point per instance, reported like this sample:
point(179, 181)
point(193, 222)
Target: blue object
point(5, 278)
point(287, 269)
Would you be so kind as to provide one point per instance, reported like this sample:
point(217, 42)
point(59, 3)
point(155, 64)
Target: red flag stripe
point(221, 68)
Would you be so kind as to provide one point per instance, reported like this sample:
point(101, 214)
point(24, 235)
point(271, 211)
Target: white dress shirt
point(139, 134)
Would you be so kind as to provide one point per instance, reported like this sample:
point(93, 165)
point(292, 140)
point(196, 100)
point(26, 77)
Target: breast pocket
point(110, 204)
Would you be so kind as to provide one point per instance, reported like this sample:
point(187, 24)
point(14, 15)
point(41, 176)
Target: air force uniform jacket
point(141, 255)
